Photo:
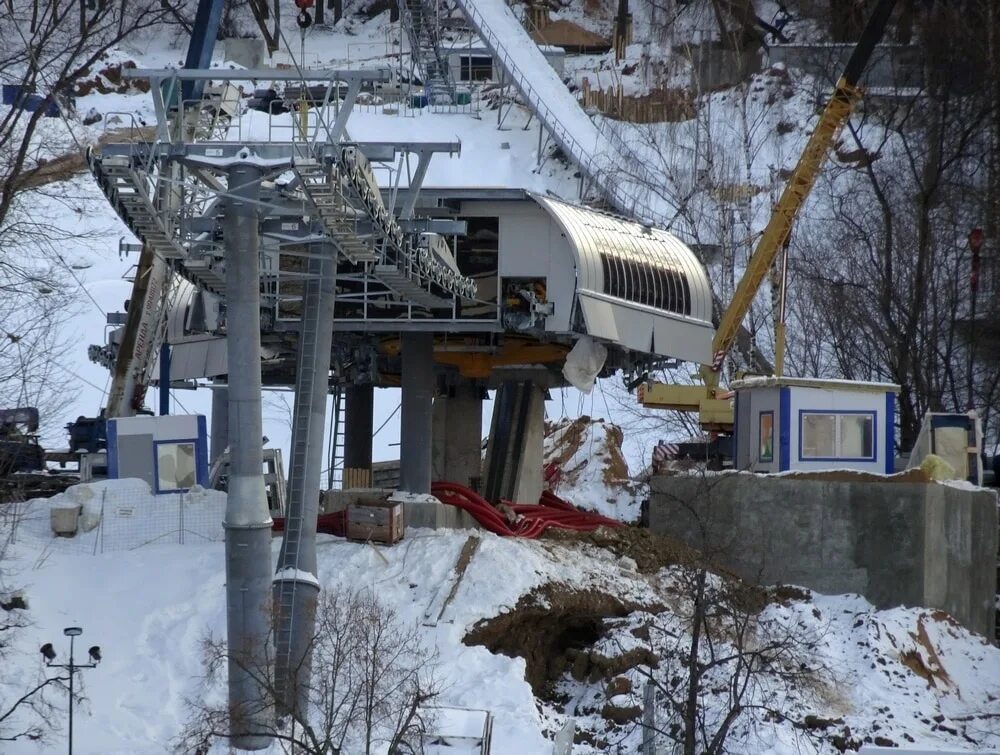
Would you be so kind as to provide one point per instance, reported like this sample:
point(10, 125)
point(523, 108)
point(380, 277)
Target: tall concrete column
point(220, 424)
point(456, 454)
point(359, 422)
point(415, 414)
point(247, 522)
point(514, 454)
point(296, 587)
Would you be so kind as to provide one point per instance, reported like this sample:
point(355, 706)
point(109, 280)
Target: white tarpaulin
point(584, 362)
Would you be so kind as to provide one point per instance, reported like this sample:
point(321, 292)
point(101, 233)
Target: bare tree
point(27, 705)
point(45, 48)
point(886, 265)
point(726, 662)
point(728, 670)
point(372, 681)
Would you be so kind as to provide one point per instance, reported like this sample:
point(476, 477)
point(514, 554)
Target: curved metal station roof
point(637, 286)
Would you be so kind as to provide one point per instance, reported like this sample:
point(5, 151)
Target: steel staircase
point(339, 218)
point(306, 376)
point(131, 195)
point(335, 474)
point(604, 158)
point(420, 19)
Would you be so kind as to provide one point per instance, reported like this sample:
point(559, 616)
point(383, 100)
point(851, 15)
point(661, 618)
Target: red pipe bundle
point(530, 522)
point(532, 519)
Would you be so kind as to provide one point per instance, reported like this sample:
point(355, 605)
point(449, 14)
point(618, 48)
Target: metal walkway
point(604, 158)
point(420, 19)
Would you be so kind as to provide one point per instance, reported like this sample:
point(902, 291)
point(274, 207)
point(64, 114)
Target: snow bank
point(122, 515)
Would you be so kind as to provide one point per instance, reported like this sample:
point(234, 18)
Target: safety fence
point(103, 519)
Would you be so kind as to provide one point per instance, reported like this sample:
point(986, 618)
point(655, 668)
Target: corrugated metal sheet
point(637, 286)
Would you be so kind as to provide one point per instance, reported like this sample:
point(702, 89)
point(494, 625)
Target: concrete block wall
point(896, 543)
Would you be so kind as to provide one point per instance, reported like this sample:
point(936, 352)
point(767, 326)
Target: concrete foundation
point(456, 451)
point(427, 511)
point(896, 543)
point(415, 413)
point(359, 414)
point(513, 468)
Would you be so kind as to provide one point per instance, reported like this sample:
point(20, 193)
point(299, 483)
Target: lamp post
point(50, 655)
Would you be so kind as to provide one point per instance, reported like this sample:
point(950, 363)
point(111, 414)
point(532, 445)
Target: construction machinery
point(710, 401)
point(19, 447)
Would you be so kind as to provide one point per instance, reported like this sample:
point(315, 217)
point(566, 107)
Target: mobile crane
point(712, 403)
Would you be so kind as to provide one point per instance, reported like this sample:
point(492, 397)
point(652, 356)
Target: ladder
point(335, 472)
point(285, 588)
point(420, 19)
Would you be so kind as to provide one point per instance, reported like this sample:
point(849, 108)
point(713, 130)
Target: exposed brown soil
point(573, 434)
point(650, 551)
point(109, 80)
point(933, 672)
point(572, 37)
point(553, 629)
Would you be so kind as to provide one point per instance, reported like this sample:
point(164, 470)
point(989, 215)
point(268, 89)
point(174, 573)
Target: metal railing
point(603, 177)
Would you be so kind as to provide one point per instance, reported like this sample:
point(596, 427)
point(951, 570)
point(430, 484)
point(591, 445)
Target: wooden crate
point(378, 520)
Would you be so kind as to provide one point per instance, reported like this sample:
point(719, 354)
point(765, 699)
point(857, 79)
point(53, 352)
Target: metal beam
point(269, 74)
point(203, 35)
point(415, 183)
point(344, 109)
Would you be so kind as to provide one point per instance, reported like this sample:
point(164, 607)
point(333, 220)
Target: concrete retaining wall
point(909, 543)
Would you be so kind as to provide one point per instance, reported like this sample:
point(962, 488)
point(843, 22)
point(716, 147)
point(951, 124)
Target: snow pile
point(122, 515)
point(584, 464)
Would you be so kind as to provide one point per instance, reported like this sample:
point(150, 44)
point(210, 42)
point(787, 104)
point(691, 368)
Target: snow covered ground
point(904, 675)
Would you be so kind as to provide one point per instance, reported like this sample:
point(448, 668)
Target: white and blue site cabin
point(803, 424)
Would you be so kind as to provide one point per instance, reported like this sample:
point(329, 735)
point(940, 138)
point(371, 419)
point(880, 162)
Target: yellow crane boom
point(713, 406)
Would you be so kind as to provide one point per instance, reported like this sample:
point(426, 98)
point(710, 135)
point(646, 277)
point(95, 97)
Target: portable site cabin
point(954, 437)
point(803, 424)
point(169, 452)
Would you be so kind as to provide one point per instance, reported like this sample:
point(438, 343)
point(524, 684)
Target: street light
point(49, 653)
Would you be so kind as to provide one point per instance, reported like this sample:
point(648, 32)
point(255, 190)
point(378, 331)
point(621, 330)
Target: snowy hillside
point(576, 624)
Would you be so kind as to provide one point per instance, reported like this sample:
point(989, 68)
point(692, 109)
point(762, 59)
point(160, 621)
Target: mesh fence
point(117, 517)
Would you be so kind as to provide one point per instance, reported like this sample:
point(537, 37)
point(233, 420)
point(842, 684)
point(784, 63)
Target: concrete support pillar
point(415, 415)
point(514, 454)
point(220, 424)
point(247, 522)
point(295, 585)
point(456, 453)
point(359, 424)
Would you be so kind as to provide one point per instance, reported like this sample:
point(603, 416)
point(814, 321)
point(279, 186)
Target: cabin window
point(766, 440)
point(175, 466)
point(640, 282)
point(837, 436)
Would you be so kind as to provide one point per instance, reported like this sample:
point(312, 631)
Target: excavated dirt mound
point(553, 629)
point(564, 448)
point(650, 551)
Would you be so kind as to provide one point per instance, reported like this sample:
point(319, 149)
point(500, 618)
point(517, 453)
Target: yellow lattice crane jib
point(708, 400)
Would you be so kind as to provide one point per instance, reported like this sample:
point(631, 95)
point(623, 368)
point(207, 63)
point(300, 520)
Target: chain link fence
point(117, 515)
